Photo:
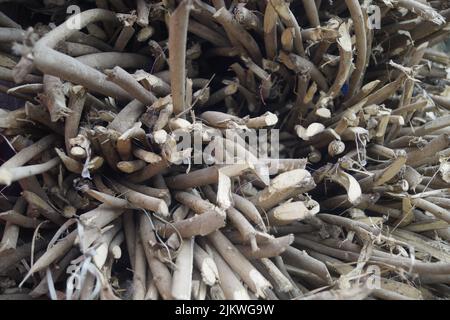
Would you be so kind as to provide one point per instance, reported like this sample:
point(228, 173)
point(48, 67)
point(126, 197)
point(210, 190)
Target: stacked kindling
point(101, 200)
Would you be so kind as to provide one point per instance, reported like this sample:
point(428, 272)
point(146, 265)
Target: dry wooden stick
point(208, 34)
point(201, 224)
point(284, 186)
point(143, 201)
point(44, 208)
point(52, 254)
point(77, 99)
point(228, 280)
point(9, 175)
point(288, 212)
point(423, 10)
point(127, 117)
point(196, 178)
point(182, 276)
point(129, 229)
point(54, 63)
point(282, 281)
point(239, 33)
point(436, 210)
point(125, 35)
point(11, 231)
point(302, 65)
point(272, 248)
point(139, 272)
point(102, 244)
point(345, 50)
point(361, 46)
point(161, 274)
point(427, 128)
point(289, 20)
point(148, 172)
point(418, 267)
point(205, 263)
point(71, 164)
point(311, 12)
point(53, 98)
point(416, 158)
point(8, 22)
point(152, 291)
point(28, 153)
point(100, 216)
point(12, 217)
point(357, 293)
point(109, 60)
point(131, 166)
point(249, 210)
point(10, 258)
point(128, 83)
point(8, 75)
point(38, 114)
point(308, 263)
point(57, 272)
point(161, 192)
point(256, 282)
point(178, 27)
point(147, 156)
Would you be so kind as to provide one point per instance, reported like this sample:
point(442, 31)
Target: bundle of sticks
point(100, 202)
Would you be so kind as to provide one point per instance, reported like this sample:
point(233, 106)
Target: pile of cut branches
point(130, 169)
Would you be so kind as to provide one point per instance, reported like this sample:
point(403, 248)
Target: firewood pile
point(345, 194)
